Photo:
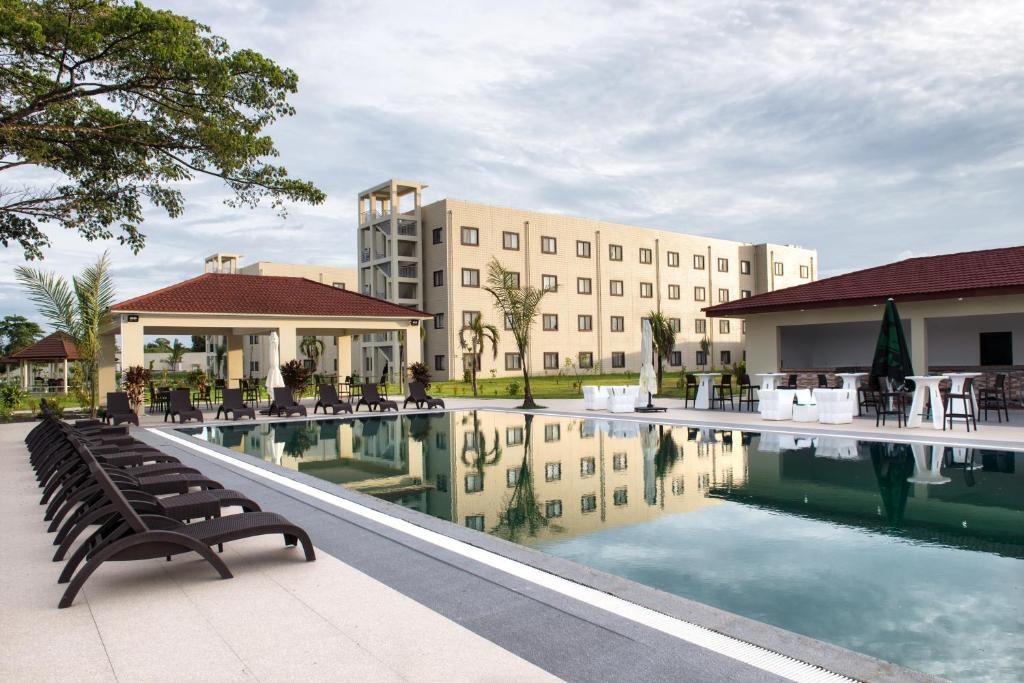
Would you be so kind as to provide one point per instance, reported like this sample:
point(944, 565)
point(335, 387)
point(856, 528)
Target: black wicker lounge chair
point(284, 403)
point(371, 398)
point(329, 399)
point(233, 406)
point(119, 410)
point(180, 406)
point(418, 395)
point(129, 535)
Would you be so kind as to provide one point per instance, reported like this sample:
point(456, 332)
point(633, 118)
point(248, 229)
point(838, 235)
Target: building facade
point(604, 279)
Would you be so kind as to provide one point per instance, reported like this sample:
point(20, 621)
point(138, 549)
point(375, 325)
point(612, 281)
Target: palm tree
point(175, 354)
point(78, 309)
point(473, 337)
point(519, 305)
point(705, 346)
point(313, 349)
point(664, 338)
point(220, 352)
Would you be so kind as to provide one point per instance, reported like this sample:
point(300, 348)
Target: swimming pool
point(909, 553)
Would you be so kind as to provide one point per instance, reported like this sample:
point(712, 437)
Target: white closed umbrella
point(649, 442)
point(648, 377)
point(274, 378)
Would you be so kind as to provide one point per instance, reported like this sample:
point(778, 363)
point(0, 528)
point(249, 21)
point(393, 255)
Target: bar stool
point(218, 390)
point(792, 382)
point(995, 398)
point(747, 393)
point(966, 399)
point(688, 395)
point(890, 403)
point(721, 391)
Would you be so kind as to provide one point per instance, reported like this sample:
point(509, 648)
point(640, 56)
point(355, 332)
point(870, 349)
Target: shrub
point(420, 373)
point(11, 396)
point(197, 379)
point(512, 388)
point(135, 379)
point(295, 376)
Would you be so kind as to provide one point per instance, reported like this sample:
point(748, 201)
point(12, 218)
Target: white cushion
point(776, 404)
point(805, 413)
point(595, 397)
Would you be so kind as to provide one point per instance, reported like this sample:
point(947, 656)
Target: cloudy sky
point(840, 126)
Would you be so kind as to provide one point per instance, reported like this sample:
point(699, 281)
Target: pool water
point(909, 553)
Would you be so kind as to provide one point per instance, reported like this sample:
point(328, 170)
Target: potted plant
point(420, 373)
point(135, 380)
point(295, 376)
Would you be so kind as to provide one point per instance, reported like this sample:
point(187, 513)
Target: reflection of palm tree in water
point(481, 455)
point(893, 464)
point(665, 459)
point(522, 511)
point(300, 439)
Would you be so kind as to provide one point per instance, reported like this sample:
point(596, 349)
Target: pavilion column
point(234, 358)
point(413, 351)
point(106, 373)
point(133, 352)
point(65, 376)
point(344, 349)
point(25, 365)
point(919, 344)
point(288, 339)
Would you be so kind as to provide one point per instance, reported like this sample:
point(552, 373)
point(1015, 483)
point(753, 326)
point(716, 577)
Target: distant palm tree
point(664, 338)
point(78, 309)
point(176, 354)
point(473, 337)
point(313, 348)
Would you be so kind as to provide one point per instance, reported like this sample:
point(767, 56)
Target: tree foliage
point(664, 338)
point(474, 338)
point(122, 103)
point(17, 333)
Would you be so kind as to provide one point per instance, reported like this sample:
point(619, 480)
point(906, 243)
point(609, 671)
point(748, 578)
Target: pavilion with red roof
point(961, 311)
point(234, 305)
point(55, 350)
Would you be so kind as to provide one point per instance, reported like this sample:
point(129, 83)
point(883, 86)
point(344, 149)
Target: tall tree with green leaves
point(122, 103)
point(664, 338)
point(519, 305)
point(18, 332)
point(79, 309)
point(474, 338)
point(312, 348)
point(198, 343)
point(175, 354)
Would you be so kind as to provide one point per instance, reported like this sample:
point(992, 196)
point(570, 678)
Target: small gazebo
point(57, 349)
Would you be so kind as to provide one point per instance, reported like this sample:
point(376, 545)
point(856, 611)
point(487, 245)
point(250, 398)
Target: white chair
point(835, 406)
point(776, 404)
point(623, 401)
point(595, 397)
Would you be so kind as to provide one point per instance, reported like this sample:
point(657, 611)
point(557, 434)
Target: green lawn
point(551, 386)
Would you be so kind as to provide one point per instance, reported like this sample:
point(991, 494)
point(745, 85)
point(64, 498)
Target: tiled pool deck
point(377, 604)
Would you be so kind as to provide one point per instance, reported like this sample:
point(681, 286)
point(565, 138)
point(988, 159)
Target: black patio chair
point(964, 399)
point(792, 384)
point(372, 399)
point(722, 391)
point(890, 403)
point(995, 398)
point(119, 409)
point(179, 405)
point(284, 403)
point(233, 406)
point(690, 390)
point(748, 393)
point(418, 395)
point(203, 396)
point(328, 398)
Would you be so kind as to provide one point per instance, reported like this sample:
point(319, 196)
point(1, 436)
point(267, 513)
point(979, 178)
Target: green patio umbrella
point(892, 356)
point(893, 464)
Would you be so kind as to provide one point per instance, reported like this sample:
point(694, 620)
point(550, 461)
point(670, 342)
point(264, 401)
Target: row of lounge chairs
point(110, 497)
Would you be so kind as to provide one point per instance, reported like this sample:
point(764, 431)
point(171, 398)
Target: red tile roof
point(966, 274)
point(264, 295)
point(56, 346)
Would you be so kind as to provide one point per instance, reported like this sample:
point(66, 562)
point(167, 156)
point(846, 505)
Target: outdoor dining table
point(926, 386)
point(769, 380)
point(956, 381)
point(850, 379)
point(703, 398)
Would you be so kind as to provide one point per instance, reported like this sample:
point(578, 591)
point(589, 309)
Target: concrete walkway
point(279, 619)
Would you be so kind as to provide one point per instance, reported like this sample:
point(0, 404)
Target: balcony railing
point(408, 229)
point(366, 255)
point(407, 271)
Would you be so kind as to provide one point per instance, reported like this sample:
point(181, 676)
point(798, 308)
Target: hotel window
point(548, 245)
point(702, 358)
point(508, 321)
point(585, 323)
point(475, 522)
point(439, 278)
point(646, 255)
point(588, 466)
point(676, 358)
point(553, 471)
point(583, 285)
point(588, 503)
point(778, 268)
point(619, 461)
point(700, 326)
point(550, 360)
point(723, 326)
point(338, 285)
point(678, 487)
point(470, 237)
point(550, 321)
point(549, 283)
point(723, 265)
point(513, 361)
point(254, 339)
point(512, 279)
point(468, 317)
point(620, 496)
point(438, 235)
point(514, 437)
point(441, 482)
point(439, 321)
point(583, 248)
point(474, 483)
point(510, 241)
point(470, 277)
point(618, 323)
point(618, 359)
point(439, 363)
point(723, 295)
point(586, 360)
point(673, 291)
point(805, 272)
point(646, 290)
point(552, 509)
point(698, 262)
point(726, 357)
point(673, 259)
point(512, 476)
point(676, 324)
point(615, 287)
point(254, 366)
point(441, 443)
point(552, 432)
point(744, 267)
point(614, 252)
point(699, 294)
point(744, 293)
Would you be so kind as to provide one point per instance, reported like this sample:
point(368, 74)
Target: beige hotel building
point(604, 279)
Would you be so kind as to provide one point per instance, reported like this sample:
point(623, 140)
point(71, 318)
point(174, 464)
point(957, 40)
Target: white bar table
point(926, 386)
point(850, 379)
point(769, 380)
point(922, 473)
point(956, 380)
point(703, 399)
